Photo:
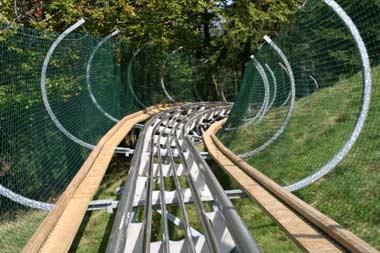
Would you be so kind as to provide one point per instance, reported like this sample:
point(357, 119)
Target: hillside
point(319, 126)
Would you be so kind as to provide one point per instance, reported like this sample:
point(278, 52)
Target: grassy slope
point(15, 234)
point(267, 234)
point(96, 227)
point(319, 126)
point(349, 194)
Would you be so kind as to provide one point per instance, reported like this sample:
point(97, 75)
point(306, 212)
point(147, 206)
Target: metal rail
point(88, 76)
point(165, 138)
point(118, 238)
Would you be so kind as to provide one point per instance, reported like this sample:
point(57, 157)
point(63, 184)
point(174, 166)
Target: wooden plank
point(307, 237)
point(344, 237)
point(58, 229)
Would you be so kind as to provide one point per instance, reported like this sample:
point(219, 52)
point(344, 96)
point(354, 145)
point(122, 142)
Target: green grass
point(96, 226)
point(269, 236)
point(15, 234)
point(320, 125)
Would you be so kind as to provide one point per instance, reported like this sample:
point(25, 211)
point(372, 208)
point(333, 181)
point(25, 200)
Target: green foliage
point(225, 33)
point(246, 22)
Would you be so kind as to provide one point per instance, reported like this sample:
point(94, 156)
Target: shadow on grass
point(99, 239)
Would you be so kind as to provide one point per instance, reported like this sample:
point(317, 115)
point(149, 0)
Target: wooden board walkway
point(303, 223)
point(57, 231)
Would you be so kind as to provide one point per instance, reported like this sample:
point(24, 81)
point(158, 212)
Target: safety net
point(307, 115)
point(59, 94)
point(306, 109)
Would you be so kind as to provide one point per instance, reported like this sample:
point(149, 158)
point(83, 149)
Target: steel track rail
point(148, 210)
point(118, 237)
point(190, 243)
point(165, 237)
point(210, 236)
point(239, 231)
point(173, 126)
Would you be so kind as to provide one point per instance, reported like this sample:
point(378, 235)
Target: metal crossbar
point(165, 152)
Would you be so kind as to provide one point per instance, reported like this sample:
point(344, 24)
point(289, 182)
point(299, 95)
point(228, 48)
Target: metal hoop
point(162, 72)
point(274, 86)
point(290, 91)
point(264, 107)
point(88, 70)
point(43, 86)
point(222, 93)
point(130, 74)
point(291, 107)
point(367, 83)
point(315, 81)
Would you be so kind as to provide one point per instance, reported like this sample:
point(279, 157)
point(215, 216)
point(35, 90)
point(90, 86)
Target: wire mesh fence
point(287, 133)
point(87, 89)
point(330, 103)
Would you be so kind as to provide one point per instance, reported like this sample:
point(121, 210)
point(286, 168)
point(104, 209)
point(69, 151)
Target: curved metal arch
point(264, 107)
point(222, 93)
point(283, 67)
point(25, 201)
point(162, 73)
point(88, 71)
point(130, 74)
point(222, 86)
point(315, 81)
point(290, 91)
point(43, 87)
point(367, 83)
point(287, 98)
point(274, 85)
point(291, 107)
point(7, 192)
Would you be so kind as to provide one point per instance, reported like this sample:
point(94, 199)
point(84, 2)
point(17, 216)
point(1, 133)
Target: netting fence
point(323, 127)
point(287, 133)
point(49, 123)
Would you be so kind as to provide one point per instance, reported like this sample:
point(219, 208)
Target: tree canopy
point(226, 32)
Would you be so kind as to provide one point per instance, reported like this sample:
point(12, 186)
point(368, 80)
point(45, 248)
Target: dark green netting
point(154, 69)
point(329, 96)
point(37, 161)
point(230, 85)
point(181, 77)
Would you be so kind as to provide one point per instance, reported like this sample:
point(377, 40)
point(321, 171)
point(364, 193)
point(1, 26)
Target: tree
point(223, 32)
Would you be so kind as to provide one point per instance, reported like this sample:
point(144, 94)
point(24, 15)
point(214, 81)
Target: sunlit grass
point(320, 125)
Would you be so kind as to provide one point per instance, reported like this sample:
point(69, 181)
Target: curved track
point(165, 151)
